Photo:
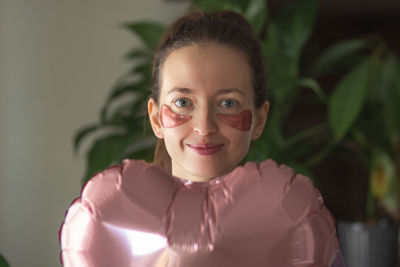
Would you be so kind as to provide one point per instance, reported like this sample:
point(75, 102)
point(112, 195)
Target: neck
point(177, 171)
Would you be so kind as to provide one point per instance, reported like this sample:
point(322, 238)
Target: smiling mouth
point(205, 149)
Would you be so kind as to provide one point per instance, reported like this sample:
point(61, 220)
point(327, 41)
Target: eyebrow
point(220, 92)
point(230, 90)
point(180, 90)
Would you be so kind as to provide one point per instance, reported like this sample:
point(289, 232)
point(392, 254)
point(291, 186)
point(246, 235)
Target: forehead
point(207, 69)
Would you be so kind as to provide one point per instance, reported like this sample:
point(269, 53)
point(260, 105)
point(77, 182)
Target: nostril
point(205, 124)
point(210, 127)
point(200, 131)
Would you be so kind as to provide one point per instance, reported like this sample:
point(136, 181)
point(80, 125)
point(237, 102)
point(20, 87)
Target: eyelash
point(234, 103)
point(189, 103)
point(182, 98)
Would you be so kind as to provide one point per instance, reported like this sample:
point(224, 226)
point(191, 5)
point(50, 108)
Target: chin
point(209, 173)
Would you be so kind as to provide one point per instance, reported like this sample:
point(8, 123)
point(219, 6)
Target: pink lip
point(205, 149)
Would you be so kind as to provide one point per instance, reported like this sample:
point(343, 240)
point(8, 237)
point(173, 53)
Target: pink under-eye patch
point(240, 121)
point(170, 119)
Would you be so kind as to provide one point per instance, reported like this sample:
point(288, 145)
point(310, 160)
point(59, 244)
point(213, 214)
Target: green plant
point(364, 114)
point(127, 132)
point(3, 262)
point(362, 110)
point(123, 125)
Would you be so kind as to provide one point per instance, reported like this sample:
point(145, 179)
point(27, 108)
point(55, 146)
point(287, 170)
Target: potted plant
point(124, 123)
point(363, 118)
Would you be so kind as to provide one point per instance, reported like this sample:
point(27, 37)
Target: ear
point(154, 117)
point(261, 119)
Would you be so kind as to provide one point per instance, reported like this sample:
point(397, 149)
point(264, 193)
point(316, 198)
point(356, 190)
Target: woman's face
point(206, 113)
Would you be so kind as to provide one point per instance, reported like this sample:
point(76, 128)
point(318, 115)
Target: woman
point(209, 68)
point(208, 104)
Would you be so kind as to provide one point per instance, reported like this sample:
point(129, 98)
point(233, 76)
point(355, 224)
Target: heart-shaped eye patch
point(136, 214)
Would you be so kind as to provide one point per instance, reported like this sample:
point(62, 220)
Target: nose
point(204, 123)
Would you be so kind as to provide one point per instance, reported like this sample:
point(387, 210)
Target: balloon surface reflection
point(141, 243)
point(136, 214)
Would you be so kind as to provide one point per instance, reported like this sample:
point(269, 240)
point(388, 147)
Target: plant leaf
point(122, 90)
point(318, 156)
point(144, 70)
point(142, 150)
point(138, 53)
point(127, 88)
point(217, 5)
point(106, 151)
point(382, 172)
point(243, 4)
point(301, 169)
point(270, 144)
point(339, 55)
point(359, 137)
point(372, 125)
point(383, 184)
point(314, 86)
point(347, 99)
point(390, 95)
point(279, 67)
point(295, 25)
point(301, 136)
point(257, 14)
point(281, 73)
point(284, 95)
point(82, 133)
point(148, 32)
point(3, 262)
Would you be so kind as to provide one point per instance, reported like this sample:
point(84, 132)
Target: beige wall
point(58, 59)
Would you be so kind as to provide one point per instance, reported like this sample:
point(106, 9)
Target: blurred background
point(58, 61)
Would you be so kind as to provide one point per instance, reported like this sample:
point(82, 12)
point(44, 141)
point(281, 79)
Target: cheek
point(239, 143)
point(172, 140)
point(170, 119)
point(240, 121)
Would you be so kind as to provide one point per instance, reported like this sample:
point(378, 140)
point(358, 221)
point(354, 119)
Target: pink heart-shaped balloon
point(136, 214)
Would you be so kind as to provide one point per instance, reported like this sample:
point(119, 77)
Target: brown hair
point(197, 27)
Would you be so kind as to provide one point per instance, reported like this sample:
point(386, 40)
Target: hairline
point(201, 43)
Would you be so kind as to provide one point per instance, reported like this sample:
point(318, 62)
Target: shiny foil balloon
point(258, 215)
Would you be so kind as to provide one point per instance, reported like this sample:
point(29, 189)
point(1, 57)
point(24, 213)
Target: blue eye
point(228, 103)
point(182, 102)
